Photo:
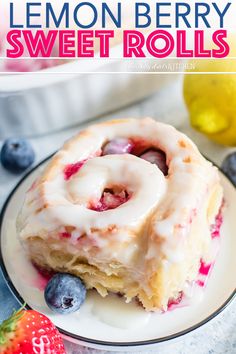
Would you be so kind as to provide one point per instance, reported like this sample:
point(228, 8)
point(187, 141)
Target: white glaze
point(160, 208)
point(115, 312)
point(186, 185)
point(89, 183)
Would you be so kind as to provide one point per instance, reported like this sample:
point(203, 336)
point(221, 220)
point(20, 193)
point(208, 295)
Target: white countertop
point(219, 335)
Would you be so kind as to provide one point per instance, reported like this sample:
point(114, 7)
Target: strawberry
point(29, 332)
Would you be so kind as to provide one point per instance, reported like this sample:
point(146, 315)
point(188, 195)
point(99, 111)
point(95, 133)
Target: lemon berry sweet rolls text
point(129, 206)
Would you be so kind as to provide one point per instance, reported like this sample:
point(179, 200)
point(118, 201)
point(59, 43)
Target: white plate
point(110, 323)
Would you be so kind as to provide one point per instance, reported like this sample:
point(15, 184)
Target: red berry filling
point(158, 158)
point(65, 234)
point(72, 169)
point(200, 283)
point(204, 271)
point(117, 146)
point(138, 147)
point(204, 268)
point(176, 301)
point(110, 200)
point(215, 228)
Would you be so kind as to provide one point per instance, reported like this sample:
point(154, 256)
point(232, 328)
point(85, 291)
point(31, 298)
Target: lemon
point(211, 99)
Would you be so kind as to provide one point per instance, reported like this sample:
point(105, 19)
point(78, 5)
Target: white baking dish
point(41, 102)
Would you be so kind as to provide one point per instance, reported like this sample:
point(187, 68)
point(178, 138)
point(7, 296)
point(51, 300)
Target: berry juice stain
point(43, 277)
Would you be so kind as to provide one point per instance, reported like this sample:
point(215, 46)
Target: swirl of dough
point(112, 173)
point(117, 220)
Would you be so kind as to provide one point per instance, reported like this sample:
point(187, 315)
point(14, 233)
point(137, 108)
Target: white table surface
point(219, 335)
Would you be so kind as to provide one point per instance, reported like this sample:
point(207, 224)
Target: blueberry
point(158, 158)
point(17, 155)
point(229, 167)
point(64, 293)
point(118, 146)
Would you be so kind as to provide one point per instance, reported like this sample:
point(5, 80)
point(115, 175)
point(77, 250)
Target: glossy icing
point(152, 226)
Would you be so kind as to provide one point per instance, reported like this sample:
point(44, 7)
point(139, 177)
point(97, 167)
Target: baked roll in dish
point(131, 207)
